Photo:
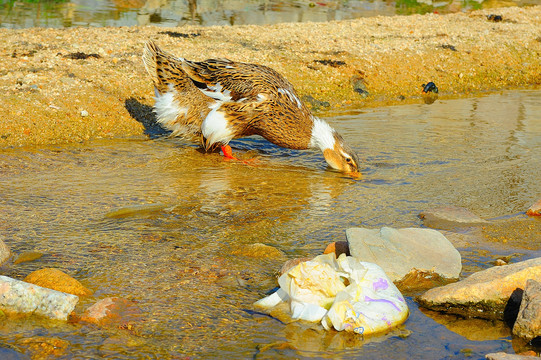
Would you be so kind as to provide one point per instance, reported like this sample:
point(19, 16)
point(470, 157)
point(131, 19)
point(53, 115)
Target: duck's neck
point(323, 135)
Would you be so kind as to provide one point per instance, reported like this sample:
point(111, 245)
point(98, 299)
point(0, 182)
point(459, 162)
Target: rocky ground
point(66, 85)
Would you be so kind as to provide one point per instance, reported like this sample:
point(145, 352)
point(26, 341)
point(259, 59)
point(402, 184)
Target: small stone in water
point(28, 256)
point(135, 210)
point(259, 250)
point(113, 311)
point(500, 262)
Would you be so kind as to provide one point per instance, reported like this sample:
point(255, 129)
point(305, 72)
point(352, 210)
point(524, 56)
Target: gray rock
point(448, 217)
point(528, 323)
point(504, 356)
point(4, 252)
point(398, 251)
point(19, 297)
point(483, 294)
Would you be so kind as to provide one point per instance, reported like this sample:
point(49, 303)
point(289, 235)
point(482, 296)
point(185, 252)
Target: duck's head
point(337, 153)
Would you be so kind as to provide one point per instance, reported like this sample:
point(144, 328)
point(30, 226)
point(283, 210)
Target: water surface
point(68, 13)
point(176, 249)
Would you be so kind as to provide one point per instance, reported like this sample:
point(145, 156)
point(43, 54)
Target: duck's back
point(267, 103)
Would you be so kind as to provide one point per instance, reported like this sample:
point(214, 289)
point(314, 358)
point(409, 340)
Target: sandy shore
point(52, 94)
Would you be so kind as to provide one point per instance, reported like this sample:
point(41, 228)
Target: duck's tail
point(164, 69)
point(179, 105)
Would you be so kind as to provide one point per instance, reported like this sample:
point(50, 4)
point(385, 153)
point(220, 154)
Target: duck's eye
point(348, 160)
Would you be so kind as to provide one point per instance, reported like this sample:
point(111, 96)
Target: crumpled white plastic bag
point(343, 293)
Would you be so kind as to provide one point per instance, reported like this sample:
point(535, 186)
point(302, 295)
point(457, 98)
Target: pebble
point(84, 113)
point(57, 280)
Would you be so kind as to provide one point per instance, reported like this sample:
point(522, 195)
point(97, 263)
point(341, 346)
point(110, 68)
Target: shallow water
point(68, 13)
point(88, 208)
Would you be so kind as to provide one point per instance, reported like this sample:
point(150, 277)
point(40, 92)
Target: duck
point(214, 101)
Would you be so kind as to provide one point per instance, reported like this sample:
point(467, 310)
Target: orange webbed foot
point(228, 154)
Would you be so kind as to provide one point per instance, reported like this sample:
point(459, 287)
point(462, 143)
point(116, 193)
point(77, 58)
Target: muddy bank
point(65, 85)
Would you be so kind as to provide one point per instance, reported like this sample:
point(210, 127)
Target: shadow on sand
point(145, 115)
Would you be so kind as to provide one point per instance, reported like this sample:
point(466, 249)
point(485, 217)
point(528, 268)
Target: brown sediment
point(49, 95)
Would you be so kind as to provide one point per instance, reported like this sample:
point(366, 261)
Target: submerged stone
point(259, 251)
point(143, 209)
point(399, 251)
point(448, 217)
point(27, 256)
point(57, 280)
point(484, 294)
point(113, 311)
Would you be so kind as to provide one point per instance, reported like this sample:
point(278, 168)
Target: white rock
point(21, 297)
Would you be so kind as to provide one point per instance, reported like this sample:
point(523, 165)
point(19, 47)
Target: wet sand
point(75, 84)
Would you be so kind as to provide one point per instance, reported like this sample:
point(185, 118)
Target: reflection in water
point(185, 213)
point(67, 13)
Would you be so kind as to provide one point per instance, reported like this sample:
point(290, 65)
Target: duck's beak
point(354, 174)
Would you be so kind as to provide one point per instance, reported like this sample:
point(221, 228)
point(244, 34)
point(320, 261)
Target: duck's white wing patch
point(215, 127)
point(168, 111)
point(217, 92)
